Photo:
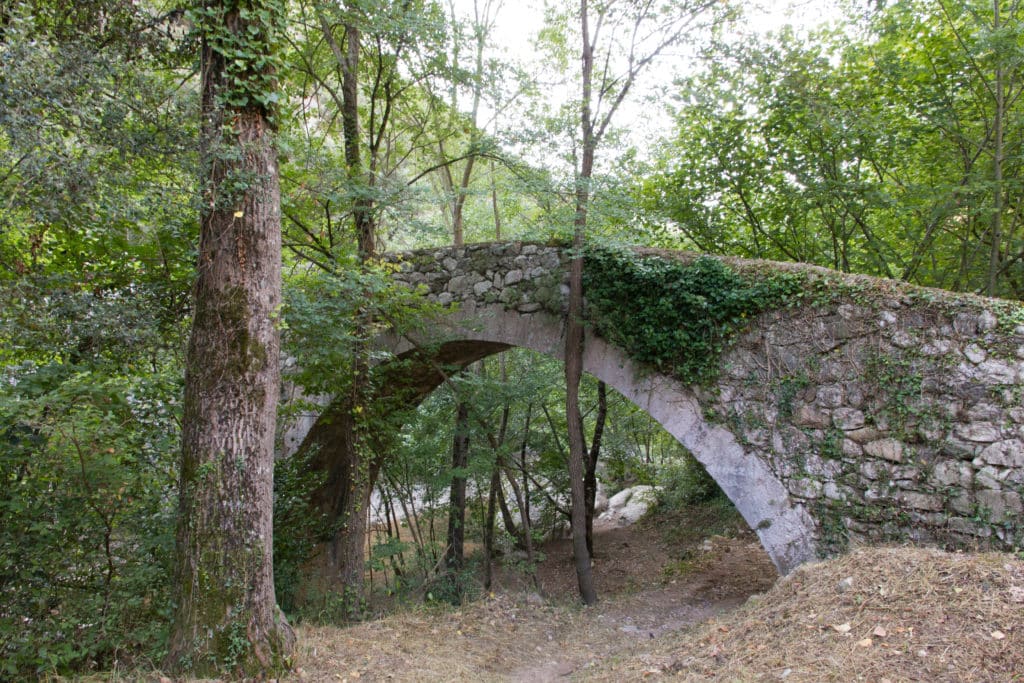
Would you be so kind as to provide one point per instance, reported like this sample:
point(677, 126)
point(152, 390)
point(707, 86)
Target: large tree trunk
point(225, 612)
point(342, 499)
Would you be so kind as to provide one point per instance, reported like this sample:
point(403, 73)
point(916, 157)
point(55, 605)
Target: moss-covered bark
point(225, 613)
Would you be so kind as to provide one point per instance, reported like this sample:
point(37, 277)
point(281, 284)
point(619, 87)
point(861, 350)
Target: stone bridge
point(867, 411)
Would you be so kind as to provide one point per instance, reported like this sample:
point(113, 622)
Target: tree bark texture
point(454, 556)
point(225, 613)
point(457, 502)
point(590, 477)
point(574, 337)
point(342, 499)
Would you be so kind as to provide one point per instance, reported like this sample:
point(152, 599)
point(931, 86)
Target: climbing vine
point(246, 35)
point(675, 316)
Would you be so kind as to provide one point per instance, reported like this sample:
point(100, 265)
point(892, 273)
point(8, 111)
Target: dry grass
point(483, 641)
point(909, 614)
point(876, 614)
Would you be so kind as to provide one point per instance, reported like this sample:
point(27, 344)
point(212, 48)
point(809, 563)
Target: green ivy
point(246, 34)
point(674, 316)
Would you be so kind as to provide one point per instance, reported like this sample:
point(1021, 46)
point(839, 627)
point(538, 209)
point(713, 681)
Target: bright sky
point(518, 22)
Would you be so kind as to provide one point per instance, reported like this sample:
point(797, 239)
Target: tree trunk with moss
point(226, 617)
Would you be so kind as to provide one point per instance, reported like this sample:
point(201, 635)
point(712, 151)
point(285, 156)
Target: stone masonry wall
point(890, 412)
point(522, 276)
point(892, 416)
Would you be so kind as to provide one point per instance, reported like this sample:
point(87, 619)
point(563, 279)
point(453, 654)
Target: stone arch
point(863, 410)
point(786, 530)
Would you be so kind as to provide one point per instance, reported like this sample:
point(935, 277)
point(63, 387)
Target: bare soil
point(520, 632)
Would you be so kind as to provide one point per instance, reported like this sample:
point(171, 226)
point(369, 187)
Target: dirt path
point(515, 634)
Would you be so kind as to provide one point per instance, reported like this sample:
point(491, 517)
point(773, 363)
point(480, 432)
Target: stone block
point(872, 469)
point(460, 284)
point(1004, 454)
point(966, 324)
point(989, 477)
point(1000, 505)
point(975, 353)
point(863, 435)
point(952, 473)
point(978, 432)
point(852, 449)
point(887, 449)
point(903, 339)
point(983, 412)
point(920, 501)
point(998, 371)
point(833, 491)
point(830, 395)
point(962, 502)
point(805, 487)
point(968, 526)
point(854, 395)
point(987, 321)
point(810, 416)
point(847, 419)
point(513, 276)
point(906, 475)
point(937, 347)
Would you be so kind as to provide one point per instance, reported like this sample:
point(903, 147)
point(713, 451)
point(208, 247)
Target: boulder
point(629, 505)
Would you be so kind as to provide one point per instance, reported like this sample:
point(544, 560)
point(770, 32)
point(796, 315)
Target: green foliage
point(297, 528)
point(246, 35)
point(623, 469)
point(683, 482)
point(86, 499)
point(672, 316)
point(899, 386)
point(869, 148)
point(328, 318)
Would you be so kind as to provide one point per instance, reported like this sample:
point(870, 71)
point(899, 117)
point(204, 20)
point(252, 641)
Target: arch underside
point(786, 530)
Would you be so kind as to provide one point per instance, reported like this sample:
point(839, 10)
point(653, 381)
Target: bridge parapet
point(523, 276)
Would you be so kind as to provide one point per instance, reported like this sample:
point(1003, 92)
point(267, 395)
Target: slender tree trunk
point(225, 612)
point(362, 211)
point(574, 337)
point(495, 483)
point(492, 511)
point(508, 520)
point(997, 167)
point(590, 478)
point(454, 557)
